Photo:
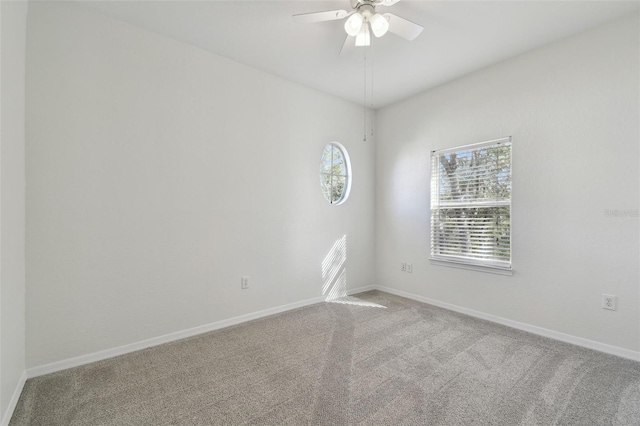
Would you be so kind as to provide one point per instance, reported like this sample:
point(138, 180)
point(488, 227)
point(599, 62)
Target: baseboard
point(567, 338)
point(14, 399)
point(362, 289)
point(171, 337)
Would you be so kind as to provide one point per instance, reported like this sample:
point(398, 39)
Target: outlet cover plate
point(609, 302)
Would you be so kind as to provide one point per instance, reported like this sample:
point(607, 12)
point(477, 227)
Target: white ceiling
point(459, 37)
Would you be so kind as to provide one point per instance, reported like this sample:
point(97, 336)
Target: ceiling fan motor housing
point(366, 10)
point(355, 4)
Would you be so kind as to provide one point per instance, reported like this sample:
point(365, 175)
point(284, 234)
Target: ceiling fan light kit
point(364, 20)
point(363, 38)
point(379, 25)
point(353, 25)
point(358, 24)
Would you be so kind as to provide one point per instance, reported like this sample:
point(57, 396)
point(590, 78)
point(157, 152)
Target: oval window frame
point(348, 175)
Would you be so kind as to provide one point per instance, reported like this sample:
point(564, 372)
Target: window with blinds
point(471, 204)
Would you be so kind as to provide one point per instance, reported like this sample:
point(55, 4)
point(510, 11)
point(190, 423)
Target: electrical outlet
point(403, 266)
point(609, 302)
point(409, 267)
point(244, 282)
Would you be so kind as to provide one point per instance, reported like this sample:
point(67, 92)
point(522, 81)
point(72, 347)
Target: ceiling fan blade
point(402, 27)
point(349, 45)
point(388, 2)
point(329, 15)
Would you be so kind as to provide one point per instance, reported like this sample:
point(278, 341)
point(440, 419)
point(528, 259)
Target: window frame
point(348, 176)
point(493, 265)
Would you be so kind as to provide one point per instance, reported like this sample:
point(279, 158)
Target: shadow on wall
point(334, 277)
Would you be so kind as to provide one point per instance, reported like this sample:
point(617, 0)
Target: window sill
point(486, 269)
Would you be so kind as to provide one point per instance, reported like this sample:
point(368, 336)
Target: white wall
point(159, 174)
point(13, 17)
point(573, 111)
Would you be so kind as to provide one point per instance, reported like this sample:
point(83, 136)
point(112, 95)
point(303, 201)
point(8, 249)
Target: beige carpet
point(373, 359)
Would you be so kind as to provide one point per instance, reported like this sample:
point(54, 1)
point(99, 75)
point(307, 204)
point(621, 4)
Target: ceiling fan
point(364, 20)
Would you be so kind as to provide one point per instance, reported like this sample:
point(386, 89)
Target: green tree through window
point(471, 204)
point(335, 173)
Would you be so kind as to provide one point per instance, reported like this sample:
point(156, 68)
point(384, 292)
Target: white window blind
point(471, 204)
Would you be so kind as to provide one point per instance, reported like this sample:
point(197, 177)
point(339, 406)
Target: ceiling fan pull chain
point(371, 97)
point(364, 101)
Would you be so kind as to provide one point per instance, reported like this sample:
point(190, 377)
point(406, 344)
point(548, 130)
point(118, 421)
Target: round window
point(335, 173)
